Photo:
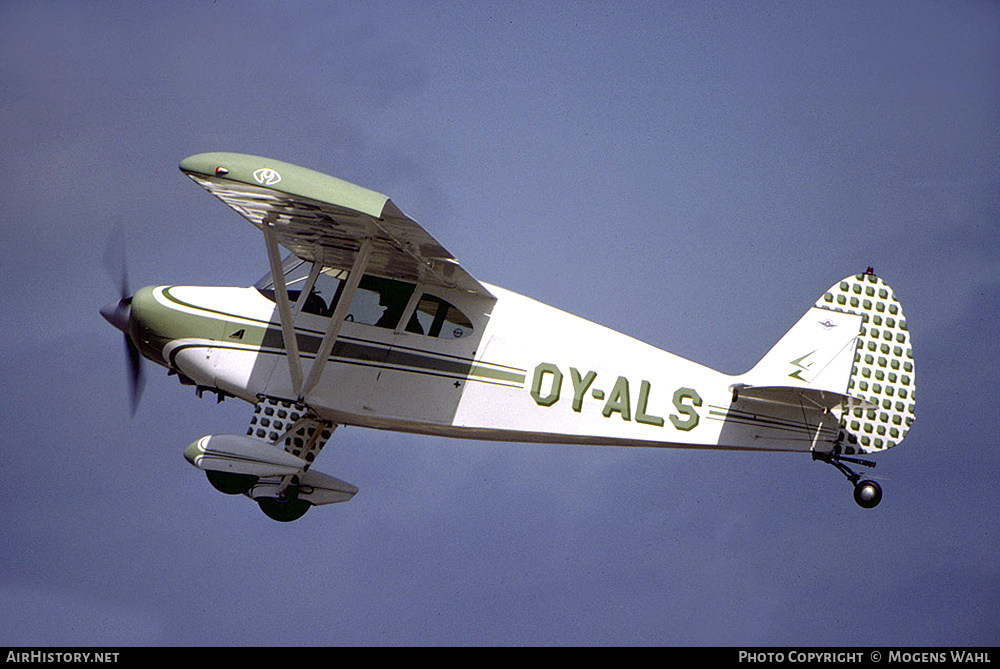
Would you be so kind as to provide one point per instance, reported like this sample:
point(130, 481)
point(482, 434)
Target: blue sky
point(694, 174)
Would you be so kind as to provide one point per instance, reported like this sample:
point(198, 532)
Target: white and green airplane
point(369, 321)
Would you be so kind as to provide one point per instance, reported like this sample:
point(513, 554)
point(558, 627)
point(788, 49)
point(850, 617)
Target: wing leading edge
point(324, 219)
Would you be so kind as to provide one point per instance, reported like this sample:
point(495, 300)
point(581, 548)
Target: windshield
point(325, 291)
point(296, 271)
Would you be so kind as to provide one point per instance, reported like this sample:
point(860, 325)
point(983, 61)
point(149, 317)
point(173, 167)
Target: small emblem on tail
point(801, 368)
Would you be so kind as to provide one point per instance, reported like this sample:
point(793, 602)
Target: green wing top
point(324, 219)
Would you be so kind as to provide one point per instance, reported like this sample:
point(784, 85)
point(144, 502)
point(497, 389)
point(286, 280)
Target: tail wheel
point(283, 510)
point(867, 494)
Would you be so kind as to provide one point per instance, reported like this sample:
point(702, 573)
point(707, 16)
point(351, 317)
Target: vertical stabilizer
point(853, 342)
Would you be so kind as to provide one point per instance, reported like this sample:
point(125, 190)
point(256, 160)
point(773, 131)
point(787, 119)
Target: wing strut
point(339, 314)
point(284, 310)
point(306, 289)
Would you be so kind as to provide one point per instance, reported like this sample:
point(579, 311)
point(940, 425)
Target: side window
point(379, 302)
point(325, 292)
point(436, 318)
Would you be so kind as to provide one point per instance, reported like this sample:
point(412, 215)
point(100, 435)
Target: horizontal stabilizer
point(823, 400)
point(240, 454)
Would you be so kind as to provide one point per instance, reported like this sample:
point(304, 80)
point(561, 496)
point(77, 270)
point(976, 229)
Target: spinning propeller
point(119, 314)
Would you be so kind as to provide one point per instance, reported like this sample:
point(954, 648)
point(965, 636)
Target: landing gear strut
point(866, 493)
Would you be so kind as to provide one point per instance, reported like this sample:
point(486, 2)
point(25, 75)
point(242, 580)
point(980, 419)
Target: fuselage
point(516, 369)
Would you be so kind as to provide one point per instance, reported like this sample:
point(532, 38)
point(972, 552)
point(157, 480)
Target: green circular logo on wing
point(266, 176)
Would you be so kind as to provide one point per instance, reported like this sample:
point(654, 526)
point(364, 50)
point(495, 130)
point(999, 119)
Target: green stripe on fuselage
point(216, 326)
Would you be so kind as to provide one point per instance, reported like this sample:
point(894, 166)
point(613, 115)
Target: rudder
point(883, 370)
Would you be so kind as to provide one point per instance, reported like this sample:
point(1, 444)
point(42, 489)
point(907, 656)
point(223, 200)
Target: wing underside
point(323, 219)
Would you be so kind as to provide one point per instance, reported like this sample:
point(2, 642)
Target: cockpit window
point(377, 301)
point(325, 292)
point(435, 317)
point(380, 302)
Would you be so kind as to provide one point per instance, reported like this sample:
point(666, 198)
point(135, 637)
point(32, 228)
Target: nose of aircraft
point(118, 313)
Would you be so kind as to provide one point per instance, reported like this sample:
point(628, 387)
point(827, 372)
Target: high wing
point(323, 219)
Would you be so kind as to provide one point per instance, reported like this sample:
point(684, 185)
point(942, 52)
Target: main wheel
point(283, 510)
point(867, 494)
point(229, 483)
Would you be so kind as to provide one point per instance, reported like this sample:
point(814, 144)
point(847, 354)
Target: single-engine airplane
point(369, 321)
